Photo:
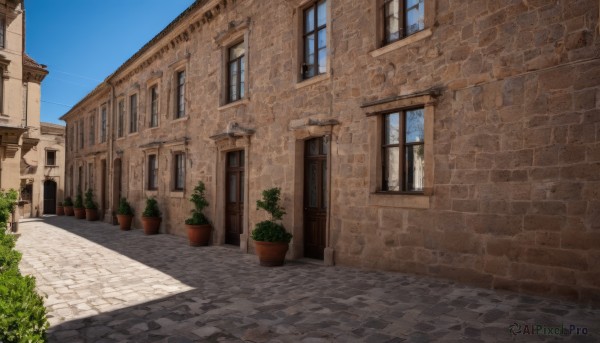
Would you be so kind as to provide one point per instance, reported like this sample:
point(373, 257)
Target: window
point(402, 18)
point(2, 32)
point(103, 124)
point(50, 157)
point(80, 180)
point(71, 136)
point(121, 118)
point(236, 72)
point(90, 176)
point(403, 151)
point(152, 172)
point(92, 129)
point(81, 128)
point(315, 40)
point(154, 106)
point(180, 101)
point(179, 172)
point(133, 113)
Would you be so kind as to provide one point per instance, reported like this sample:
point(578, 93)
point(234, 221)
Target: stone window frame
point(81, 133)
point(55, 151)
point(3, 21)
point(234, 35)
point(151, 173)
point(239, 61)
point(298, 61)
point(381, 47)
point(133, 129)
point(174, 170)
point(152, 150)
point(103, 117)
point(153, 84)
point(121, 122)
point(177, 93)
point(92, 128)
point(375, 112)
point(90, 175)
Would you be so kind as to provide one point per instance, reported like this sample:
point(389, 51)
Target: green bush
point(270, 230)
point(68, 202)
point(78, 201)
point(124, 208)
point(89, 200)
point(22, 311)
point(151, 209)
point(200, 203)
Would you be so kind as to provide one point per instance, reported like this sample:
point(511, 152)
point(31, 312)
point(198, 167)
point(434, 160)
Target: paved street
point(105, 285)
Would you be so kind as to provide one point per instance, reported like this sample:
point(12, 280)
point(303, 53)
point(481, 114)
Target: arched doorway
point(49, 197)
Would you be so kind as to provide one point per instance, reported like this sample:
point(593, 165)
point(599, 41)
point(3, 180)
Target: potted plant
point(91, 210)
point(124, 214)
point(151, 217)
point(60, 210)
point(270, 238)
point(198, 227)
point(78, 207)
point(68, 205)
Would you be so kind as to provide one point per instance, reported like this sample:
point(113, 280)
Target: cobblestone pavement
point(105, 285)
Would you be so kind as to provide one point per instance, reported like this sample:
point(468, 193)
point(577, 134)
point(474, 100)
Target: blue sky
point(83, 41)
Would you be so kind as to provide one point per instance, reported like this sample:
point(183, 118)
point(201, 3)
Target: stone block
point(541, 222)
point(493, 224)
point(556, 257)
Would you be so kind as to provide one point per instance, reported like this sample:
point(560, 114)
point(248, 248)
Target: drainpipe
point(109, 163)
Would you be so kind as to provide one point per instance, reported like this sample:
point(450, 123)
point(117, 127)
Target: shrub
point(68, 202)
point(89, 200)
point(270, 230)
point(124, 208)
point(200, 203)
point(78, 201)
point(8, 201)
point(151, 209)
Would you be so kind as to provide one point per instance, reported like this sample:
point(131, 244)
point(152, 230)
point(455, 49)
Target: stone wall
point(512, 200)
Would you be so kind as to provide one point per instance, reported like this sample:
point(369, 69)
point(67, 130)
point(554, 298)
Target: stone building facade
point(43, 172)
point(20, 91)
point(457, 139)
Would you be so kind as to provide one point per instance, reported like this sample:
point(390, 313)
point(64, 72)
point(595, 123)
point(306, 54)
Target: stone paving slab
point(106, 285)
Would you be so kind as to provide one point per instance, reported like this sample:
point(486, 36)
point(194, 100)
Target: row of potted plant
point(81, 208)
point(270, 237)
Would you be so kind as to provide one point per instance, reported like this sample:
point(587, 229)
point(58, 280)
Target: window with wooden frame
point(314, 35)
point(50, 157)
point(179, 171)
point(152, 172)
point(403, 151)
point(81, 134)
point(402, 18)
point(2, 32)
point(103, 114)
point(180, 95)
point(133, 110)
point(92, 127)
point(236, 69)
point(154, 106)
point(121, 118)
point(90, 176)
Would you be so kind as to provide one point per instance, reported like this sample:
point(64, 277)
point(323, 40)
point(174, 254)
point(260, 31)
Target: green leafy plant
point(78, 201)
point(200, 203)
point(124, 208)
point(8, 201)
point(270, 230)
point(89, 200)
point(151, 209)
point(68, 202)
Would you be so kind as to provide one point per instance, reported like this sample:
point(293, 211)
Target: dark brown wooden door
point(234, 197)
point(315, 197)
point(49, 197)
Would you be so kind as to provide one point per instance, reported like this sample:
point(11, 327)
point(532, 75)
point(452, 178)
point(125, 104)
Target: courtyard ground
point(105, 285)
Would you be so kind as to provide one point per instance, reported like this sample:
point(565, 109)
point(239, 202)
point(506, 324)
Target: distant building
point(19, 96)
point(457, 139)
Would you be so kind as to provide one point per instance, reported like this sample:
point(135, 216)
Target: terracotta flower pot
point(79, 213)
point(124, 221)
point(151, 225)
point(91, 214)
point(60, 211)
point(69, 210)
point(198, 235)
point(271, 254)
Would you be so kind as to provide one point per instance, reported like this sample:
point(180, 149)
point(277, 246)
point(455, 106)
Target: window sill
point(151, 128)
point(177, 120)
point(401, 43)
point(151, 192)
point(312, 80)
point(133, 134)
point(400, 200)
point(177, 194)
point(243, 101)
